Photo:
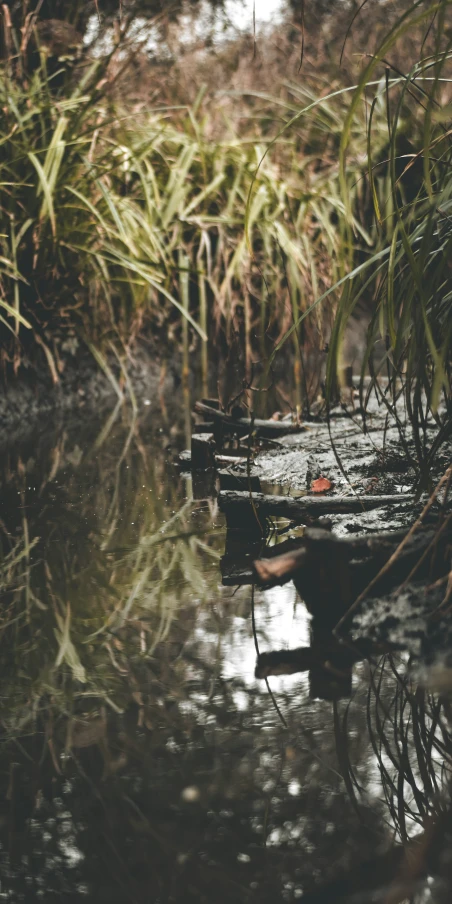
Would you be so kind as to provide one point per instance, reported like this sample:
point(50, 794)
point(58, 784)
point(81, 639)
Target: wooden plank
point(243, 425)
point(304, 508)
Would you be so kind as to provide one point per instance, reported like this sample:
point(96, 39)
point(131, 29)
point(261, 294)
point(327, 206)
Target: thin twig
point(256, 645)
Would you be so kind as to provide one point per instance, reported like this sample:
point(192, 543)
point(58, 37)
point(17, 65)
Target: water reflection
point(140, 759)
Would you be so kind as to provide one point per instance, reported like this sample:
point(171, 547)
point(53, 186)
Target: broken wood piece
point(304, 508)
point(331, 572)
point(184, 459)
point(202, 451)
point(271, 572)
point(243, 425)
point(278, 567)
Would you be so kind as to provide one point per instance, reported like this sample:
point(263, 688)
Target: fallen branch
point(279, 567)
point(304, 508)
point(243, 425)
point(277, 564)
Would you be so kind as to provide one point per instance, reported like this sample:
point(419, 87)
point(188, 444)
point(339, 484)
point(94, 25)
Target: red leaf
point(321, 485)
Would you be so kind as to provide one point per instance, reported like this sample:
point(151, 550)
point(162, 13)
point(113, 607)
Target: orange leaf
point(321, 485)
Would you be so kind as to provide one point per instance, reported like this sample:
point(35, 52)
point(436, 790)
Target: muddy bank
point(356, 455)
point(32, 400)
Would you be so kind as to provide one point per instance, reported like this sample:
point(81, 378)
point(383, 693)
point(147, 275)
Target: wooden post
point(202, 451)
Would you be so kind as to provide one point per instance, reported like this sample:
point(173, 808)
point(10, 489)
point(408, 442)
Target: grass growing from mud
point(110, 220)
point(408, 277)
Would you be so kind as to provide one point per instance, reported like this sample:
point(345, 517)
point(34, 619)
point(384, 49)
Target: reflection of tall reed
point(411, 739)
point(409, 771)
point(104, 560)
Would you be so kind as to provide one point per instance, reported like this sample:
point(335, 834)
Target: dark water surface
point(140, 759)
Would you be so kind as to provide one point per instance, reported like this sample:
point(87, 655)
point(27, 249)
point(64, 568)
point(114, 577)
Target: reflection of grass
point(409, 762)
point(103, 564)
point(411, 740)
point(409, 731)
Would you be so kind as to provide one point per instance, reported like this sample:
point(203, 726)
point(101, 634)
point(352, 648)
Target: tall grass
point(116, 222)
point(73, 245)
point(109, 219)
point(407, 277)
point(408, 730)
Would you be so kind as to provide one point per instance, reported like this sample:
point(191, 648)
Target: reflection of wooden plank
point(329, 667)
point(331, 654)
point(305, 507)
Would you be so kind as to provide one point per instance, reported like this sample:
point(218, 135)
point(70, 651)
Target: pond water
point(140, 759)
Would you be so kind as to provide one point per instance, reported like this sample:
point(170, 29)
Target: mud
point(31, 401)
point(356, 456)
point(414, 619)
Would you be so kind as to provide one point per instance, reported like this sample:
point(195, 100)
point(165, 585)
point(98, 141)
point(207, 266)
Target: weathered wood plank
point(242, 425)
point(305, 507)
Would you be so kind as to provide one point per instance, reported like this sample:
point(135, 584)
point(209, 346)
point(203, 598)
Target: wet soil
point(32, 397)
point(358, 456)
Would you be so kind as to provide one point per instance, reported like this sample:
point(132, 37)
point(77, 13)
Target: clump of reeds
point(407, 277)
point(252, 238)
point(108, 220)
